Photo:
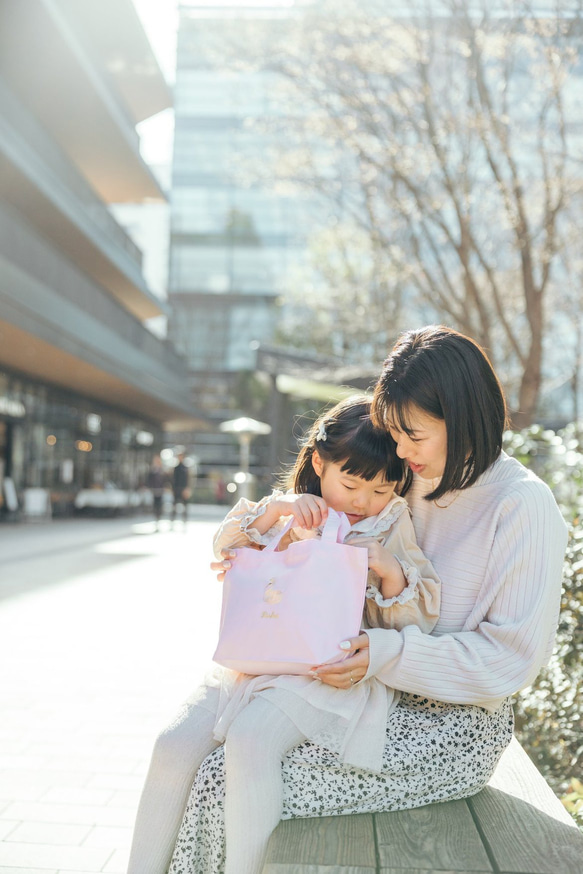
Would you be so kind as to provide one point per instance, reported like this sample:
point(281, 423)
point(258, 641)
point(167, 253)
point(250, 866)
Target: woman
point(496, 539)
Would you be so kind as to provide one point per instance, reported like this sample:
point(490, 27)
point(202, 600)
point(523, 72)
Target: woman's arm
point(509, 634)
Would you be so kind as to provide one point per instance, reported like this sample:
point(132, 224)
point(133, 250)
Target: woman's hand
point(221, 567)
point(308, 511)
point(345, 674)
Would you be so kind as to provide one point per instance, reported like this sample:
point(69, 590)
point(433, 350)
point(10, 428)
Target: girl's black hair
point(351, 439)
point(450, 377)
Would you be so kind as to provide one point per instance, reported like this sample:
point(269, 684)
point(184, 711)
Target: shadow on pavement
point(21, 577)
point(36, 556)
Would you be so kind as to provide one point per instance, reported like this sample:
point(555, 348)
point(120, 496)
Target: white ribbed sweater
point(498, 548)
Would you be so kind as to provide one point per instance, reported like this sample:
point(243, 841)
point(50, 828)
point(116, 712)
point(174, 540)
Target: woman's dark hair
point(448, 376)
point(346, 434)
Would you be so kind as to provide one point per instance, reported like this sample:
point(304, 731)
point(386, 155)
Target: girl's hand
point(221, 567)
point(308, 511)
point(345, 674)
point(383, 562)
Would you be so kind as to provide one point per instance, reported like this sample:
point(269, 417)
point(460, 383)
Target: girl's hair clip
point(321, 435)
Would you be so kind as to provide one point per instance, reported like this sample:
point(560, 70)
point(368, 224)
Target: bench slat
point(436, 837)
point(417, 871)
point(524, 823)
point(287, 868)
point(303, 845)
point(517, 775)
point(516, 825)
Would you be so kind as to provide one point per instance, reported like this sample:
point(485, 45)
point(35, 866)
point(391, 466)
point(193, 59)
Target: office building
point(233, 236)
point(85, 388)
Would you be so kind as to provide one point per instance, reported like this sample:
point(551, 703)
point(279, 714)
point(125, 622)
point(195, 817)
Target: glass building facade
point(233, 239)
point(86, 390)
point(236, 236)
point(57, 440)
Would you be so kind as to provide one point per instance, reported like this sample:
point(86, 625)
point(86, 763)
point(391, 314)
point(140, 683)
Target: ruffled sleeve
point(419, 602)
point(237, 529)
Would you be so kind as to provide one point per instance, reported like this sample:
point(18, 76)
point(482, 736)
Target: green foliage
point(558, 459)
point(549, 715)
point(573, 800)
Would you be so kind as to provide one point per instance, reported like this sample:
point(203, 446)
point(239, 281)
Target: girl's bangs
point(367, 458)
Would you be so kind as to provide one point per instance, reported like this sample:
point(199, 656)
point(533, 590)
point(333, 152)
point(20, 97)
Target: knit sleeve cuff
point(385, 645)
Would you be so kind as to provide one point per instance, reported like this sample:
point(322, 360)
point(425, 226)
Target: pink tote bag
point(284, 612)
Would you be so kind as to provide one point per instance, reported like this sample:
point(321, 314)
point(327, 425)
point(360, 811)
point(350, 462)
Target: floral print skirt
point(434, 752)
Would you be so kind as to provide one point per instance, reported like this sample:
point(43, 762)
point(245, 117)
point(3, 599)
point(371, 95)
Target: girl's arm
point(509, 634)
point(232, 532)
point(255, 524)
point(417, 598)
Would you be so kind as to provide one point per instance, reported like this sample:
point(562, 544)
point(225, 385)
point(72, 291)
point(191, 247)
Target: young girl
point(347, 464)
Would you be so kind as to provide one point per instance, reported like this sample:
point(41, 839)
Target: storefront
point(61, 442)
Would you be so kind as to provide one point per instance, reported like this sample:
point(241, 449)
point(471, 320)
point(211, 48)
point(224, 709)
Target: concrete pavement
point(105, 626)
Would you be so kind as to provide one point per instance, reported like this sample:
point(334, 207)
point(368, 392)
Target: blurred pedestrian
point(157, 482)
point(220, 490)
point(180, 488)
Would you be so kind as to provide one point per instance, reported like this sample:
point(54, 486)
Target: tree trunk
point(530, 383)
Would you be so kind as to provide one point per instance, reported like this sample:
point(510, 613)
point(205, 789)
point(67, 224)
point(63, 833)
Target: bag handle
point(335, 530)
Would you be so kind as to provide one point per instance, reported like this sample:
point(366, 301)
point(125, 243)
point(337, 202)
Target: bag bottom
point(256, 668)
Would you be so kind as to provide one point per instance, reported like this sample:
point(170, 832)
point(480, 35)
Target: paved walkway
point(105, 626)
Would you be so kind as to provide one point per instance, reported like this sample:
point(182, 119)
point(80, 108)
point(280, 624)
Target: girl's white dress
point(350, 722)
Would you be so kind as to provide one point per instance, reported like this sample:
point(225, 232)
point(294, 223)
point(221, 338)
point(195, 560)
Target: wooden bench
point(516, 825)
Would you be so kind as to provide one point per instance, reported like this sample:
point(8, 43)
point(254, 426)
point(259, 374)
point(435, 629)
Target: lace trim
point(409, 593)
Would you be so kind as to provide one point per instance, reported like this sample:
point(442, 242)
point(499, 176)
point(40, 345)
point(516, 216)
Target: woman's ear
point(317, 463)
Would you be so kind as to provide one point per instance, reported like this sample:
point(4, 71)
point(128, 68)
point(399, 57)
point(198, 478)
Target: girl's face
point(424, 448)
point(353, 495)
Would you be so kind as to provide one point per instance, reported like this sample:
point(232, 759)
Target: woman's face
point(424, 446)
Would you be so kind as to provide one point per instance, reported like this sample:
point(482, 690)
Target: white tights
point(177, 755)
point(256, 742)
